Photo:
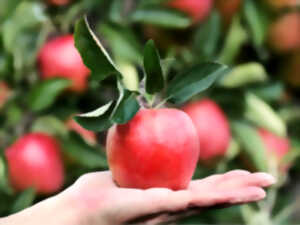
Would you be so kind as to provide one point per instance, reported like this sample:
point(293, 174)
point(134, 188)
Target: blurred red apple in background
point(284, 33)
point(157, 148)
point(88, 136)
point(280, 4)
point(34, 160)
point(276, 146)
point(60, 58)
point(198, 10)
point(4, 93)
point(59, 2)
point(228, 9)
point(212, 127)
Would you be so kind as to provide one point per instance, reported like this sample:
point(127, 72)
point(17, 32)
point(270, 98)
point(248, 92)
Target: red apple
point(228, 9)
point(157, 148)
point(4, 93)
point(284, 33)
point(35, 161)
point(59, 2)
point(198, 10)
point(88, 136)
point(212, 128)
point(276, 146)
point(60, 58)
point(281, 4)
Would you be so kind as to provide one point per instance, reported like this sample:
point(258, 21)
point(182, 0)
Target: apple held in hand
point(212, 127)
point(277, 147)
point(60, 58)
point(34, 160)
point(198, 10)
point(157, 148)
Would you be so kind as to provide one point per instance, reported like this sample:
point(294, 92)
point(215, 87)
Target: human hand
point(98, 200)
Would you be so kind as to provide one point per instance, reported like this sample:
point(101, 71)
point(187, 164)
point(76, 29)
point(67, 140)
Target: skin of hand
point(94, 199)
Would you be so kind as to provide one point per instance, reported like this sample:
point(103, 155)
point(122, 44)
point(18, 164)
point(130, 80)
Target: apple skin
point(34, 160)
point(284, 33)
point(275, 145)
point(157, 148)
point(4, 93)
point(228, 9)
point(58, 2)
point(212, 128)
point(198, 10)
point(88, 136)
point(281, 4)
point(60, 58)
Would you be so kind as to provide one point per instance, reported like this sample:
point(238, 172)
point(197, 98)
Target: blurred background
point(43, 84)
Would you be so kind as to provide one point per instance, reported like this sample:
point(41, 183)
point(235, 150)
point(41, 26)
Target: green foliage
point(153, 70)
point(45, 93)
point(197, 79)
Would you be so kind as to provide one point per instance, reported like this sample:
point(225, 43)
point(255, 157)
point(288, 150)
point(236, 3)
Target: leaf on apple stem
point(154, 74)
point(93, 53)
point(195, 80)
point(44, 94)
point(97, 120)
point(126, 107)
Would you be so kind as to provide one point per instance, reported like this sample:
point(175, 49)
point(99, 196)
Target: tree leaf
point(251, 143)
point(24, 200)
point(257, 19)
point(92, 52)
point(44, 94)
point(154, 74)
point(126, 107)
point(243, 74)
point(260, 113)
point(50, 125)
point(123, 42)
point(208, 35)
point(161, 17)
point(83, 154)
point(97, 120)
point(195, 80)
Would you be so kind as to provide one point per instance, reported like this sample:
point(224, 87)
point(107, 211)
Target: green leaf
point(27, 15)
point(234, 41)
point(269, 91)
point(243, 74)
point(197, 79)
point(82, 153)
point(126, 107)
point(97, 120)
point(154, 74)
point(92, 52)
point(24, 200)
point(4, 180)
point(208, 35)
point(251, 143)
point(161, 17)
point(44, 94)
point(123, 42)
point(260, 113)
point(50, 125)
point(257, 19)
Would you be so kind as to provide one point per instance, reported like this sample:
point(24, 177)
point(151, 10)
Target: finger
point(156, 200)
point(255, 179)
point(96, 179)
point(243, 195)
point(218, 178)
